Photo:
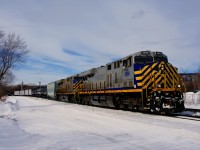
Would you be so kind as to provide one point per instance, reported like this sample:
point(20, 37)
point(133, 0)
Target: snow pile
point(43, 124)
point(190, 113)
point(192, 100)
point(7, 107)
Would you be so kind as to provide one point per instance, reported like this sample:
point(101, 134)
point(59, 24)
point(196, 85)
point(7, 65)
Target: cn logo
point(127, 72)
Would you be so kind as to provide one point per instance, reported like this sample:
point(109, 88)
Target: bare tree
point(7, 79)
point(13, 51)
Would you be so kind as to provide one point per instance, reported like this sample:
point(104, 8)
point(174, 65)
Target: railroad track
point(188, 114)
point(192, 110)
point(193, 118)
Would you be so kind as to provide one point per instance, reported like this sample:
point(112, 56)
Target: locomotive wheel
point(180, 106)
point(156, 106)
point(115, 103)
point(125, 106)
point(135, 108)
point(152, 105)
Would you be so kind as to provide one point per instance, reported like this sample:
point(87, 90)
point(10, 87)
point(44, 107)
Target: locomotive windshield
point(146, 57)
point(143, 59)
point(159, 56)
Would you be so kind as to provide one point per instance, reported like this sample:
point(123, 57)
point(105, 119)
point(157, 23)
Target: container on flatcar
point(16, 93)
point(51, 90)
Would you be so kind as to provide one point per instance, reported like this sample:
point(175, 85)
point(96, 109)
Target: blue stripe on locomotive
point(137, 67)
point(76, 80)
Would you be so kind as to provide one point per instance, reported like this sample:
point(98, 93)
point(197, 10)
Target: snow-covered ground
point(39, 124)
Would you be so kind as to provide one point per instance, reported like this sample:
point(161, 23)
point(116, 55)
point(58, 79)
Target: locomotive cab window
point(127, 62)
point(139, 60)
point(148, 59)
point(159, 58)
point(116, 64)
point(109, 67)
point(143, 59)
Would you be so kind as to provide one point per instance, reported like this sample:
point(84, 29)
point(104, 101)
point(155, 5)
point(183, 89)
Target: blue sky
point(66, 37)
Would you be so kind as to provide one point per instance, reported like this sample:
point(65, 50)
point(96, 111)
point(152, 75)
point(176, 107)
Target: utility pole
point(22, 85)
point(21, 88)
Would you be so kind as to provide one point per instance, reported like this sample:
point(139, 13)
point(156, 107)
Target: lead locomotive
point(142, 81)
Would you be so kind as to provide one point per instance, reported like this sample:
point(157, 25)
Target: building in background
point(191, 81)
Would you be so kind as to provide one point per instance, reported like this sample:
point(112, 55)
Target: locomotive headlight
point(162, 67)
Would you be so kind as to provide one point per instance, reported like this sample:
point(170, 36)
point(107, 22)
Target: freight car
point(39, 91)
point(27, 92)
point(36, 91)
point(142, 81)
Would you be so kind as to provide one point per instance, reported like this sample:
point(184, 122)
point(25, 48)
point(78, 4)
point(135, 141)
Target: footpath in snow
point(35, 124)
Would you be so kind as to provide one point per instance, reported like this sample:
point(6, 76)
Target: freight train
point(143, 81)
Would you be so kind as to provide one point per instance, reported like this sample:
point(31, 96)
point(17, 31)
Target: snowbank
point(32, 123)
point(192, 100)
point(7, 107)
